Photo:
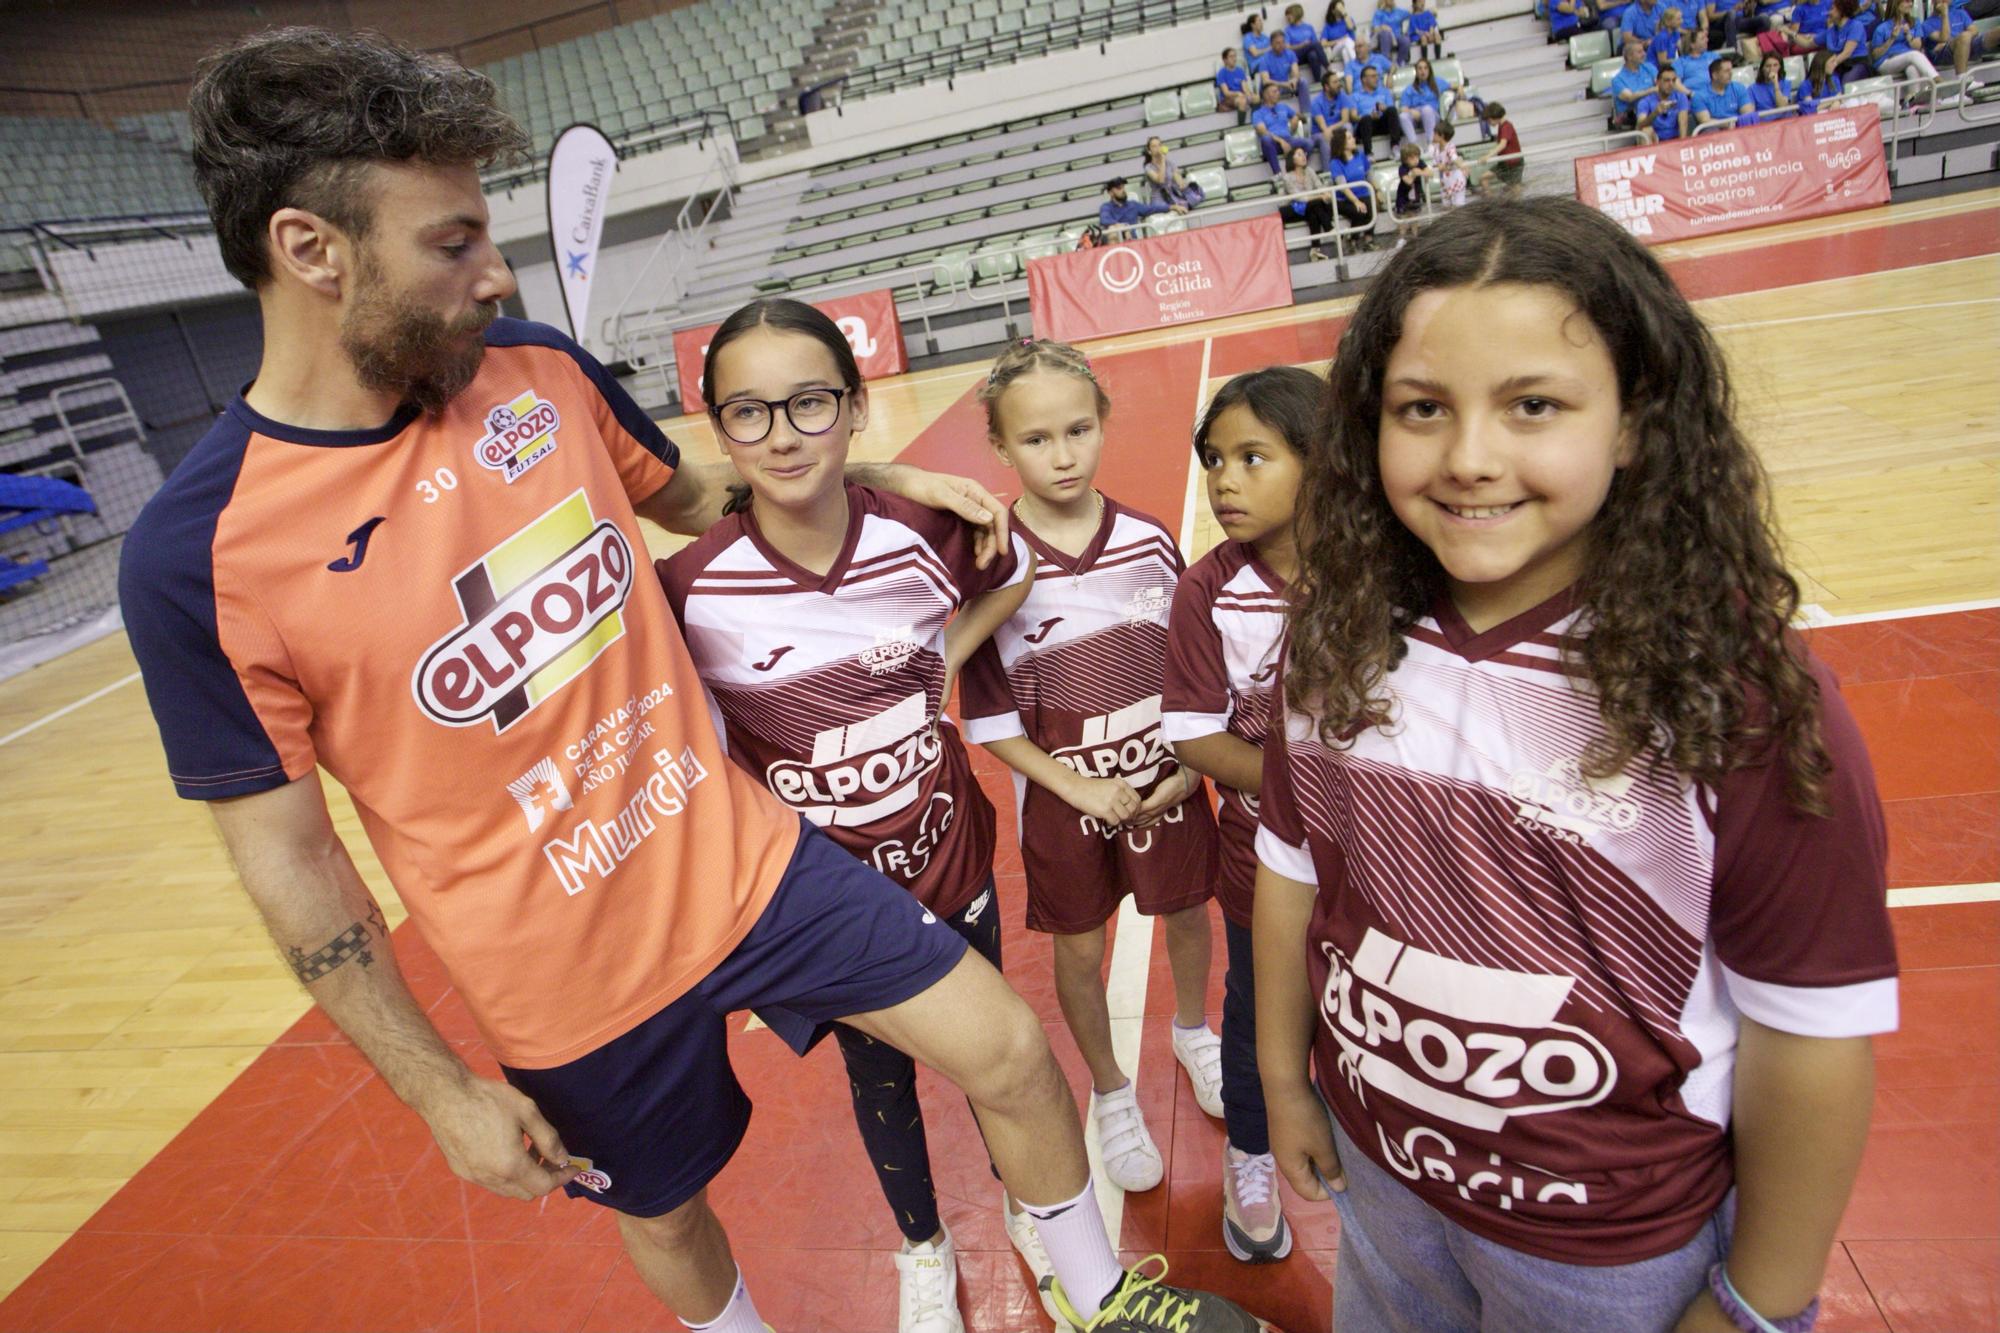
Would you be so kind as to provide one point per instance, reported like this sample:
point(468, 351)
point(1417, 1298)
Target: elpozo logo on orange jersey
point(538, 609)
point(519, 434)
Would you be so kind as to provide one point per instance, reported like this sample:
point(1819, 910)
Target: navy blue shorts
point(657, 1112)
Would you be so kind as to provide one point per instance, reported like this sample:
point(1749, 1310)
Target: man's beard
point(401, 348)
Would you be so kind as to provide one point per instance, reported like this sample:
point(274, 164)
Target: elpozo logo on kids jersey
point(519, 434)
point(537, 610)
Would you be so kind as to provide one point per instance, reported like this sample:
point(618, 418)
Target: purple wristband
point(1747, 1319)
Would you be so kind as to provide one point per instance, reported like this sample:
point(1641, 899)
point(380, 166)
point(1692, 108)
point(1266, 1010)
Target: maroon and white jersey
point(1077, 671)
point(1530, 982)
point(1222, 657)
point(829, 686)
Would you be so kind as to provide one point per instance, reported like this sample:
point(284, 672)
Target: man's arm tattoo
point(352, 944)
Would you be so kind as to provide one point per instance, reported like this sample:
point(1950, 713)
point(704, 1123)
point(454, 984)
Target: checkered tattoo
point(351, 944)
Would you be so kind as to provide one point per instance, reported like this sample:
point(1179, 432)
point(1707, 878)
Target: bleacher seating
point(732, 56)
point(67, 167)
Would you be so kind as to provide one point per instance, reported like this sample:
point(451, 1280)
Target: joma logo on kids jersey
point(1469, 1044)
point(1568, 805)
point(863, 771)
point(519, 435)
point(538, 609)
point(1125, 744)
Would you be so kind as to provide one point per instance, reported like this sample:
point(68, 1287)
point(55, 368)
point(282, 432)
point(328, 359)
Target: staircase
point(834, 51)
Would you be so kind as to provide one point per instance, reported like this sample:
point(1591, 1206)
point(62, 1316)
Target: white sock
point(739, 1316)
point(1073, 1234)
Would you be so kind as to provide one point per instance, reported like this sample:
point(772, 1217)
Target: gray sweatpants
point(1406, 1268)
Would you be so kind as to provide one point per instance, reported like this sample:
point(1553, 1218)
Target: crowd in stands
point(1681, 62)
point(1328, 92)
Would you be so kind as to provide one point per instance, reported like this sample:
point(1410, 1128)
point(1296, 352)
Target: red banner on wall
point(1798, 167)
point(868, 319)
point(1178, 278)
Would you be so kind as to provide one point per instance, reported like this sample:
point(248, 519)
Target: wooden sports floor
point(185, 1144)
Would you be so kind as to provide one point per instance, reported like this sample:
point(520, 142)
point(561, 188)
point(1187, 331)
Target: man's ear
point(311, 250)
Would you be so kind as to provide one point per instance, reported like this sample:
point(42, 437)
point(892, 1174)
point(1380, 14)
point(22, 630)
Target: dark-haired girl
point(1772, 93)
point(1820, 83)
point(815, 614)
point(1222, 651)
point(1582, 842)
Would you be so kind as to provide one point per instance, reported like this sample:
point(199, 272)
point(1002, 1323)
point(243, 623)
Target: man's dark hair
point(291, 118)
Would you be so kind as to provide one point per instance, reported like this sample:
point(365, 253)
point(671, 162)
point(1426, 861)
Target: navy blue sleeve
point(216, 745)
point(630, 416)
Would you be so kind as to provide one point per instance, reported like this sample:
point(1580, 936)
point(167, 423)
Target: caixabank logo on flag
point(536, 611)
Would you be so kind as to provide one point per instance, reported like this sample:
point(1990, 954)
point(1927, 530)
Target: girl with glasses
point(815, 613)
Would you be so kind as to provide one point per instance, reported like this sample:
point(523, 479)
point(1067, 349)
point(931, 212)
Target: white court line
point(1817, 616)
point(66, 709)
point(1943, 894)
point(1853, 314)
point(1194, 464)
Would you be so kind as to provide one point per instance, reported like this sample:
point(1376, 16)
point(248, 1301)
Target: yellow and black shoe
point(1144, 1303)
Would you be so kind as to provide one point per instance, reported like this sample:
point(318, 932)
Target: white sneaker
point(1027, 1243)
point(1200, 1052)
point(1130, 1159)
point(927, 1288)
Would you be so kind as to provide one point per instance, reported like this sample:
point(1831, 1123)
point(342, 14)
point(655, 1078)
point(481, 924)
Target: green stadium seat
point(995, 267)
point(1198, 99)
point(1163, 107)
point(1239, 147)
point(1214, 182)
point(1587, 47)
point(1161, 223)
point(953, 268)
point(1403, 78)
point(1601, 72)
point(1041, 246)
point(1795, 68)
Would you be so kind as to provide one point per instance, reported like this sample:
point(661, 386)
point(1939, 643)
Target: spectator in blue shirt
point(1846, 40)
point(1632, 84)
point(1303, 38)
point(1232, 85)
point(1255, 43)
point(1338, 34)
point(1423, 103)
point(1330, 110)
point(1896, 45)
point(1120, 215)
point(1665, 112)
point(1388, 28)
point(1374, 109)
point(1278, 128)
point(1665, 45)
point(1569, 17)
point(1280, 67)
point(1948, 35)
point(1353, 196)
point(1722, 98)
point(1820, 84)
point(1641, 20)
point(1694, 66)
point(1772, 92)
point(1366, 57)
point(1426, 37)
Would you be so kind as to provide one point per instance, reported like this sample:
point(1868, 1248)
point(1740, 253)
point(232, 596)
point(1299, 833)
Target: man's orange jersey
point(452, 615)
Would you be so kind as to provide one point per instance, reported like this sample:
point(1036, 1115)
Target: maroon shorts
point(1077, 876)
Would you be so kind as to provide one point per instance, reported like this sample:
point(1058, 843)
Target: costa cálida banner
point(867, 319)
point(580, 169)
point(1178, 278)
point(1707, 184)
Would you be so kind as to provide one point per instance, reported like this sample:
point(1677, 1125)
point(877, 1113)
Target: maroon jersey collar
point(1063, 561)
point(828, 582)
point(1503, 636)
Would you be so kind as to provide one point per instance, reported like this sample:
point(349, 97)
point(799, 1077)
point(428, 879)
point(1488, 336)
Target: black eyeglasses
point(748, 420)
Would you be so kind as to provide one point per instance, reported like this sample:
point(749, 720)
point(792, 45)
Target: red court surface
point(306, 1197)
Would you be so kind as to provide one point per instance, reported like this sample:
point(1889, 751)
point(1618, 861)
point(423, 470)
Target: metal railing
point(717, 188)
point(696, 126)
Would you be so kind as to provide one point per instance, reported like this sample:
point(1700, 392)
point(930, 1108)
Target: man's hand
point(970, 501)
point(1302, 1139)
point(480, 1125)
point(1175, 788)
point(1110, 801)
